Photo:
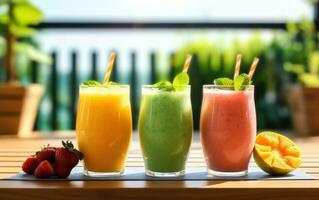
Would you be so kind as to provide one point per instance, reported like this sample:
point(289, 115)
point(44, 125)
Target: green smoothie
point(165, 129)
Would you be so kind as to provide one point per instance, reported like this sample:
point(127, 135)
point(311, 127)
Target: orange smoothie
point(104, 128)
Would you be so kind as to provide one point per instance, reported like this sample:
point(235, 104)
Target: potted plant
point(18, 102)
point(302, 64)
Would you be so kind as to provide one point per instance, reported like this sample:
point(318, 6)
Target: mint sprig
point(91, 83)
point(164, 85)
point(96, 83)
point(112, 83)
point(181, 79)
point(240, 83)
point(223, 81)
point(180, 82)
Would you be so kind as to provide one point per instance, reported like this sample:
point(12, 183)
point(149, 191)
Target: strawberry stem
point(69, 146)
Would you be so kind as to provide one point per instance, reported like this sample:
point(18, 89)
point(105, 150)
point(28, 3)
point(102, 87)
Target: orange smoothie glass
point(227, 129)
point(104, 128)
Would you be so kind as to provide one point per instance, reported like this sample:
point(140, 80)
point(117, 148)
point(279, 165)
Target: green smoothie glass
point(165, 130)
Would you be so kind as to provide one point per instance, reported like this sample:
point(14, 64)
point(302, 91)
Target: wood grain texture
point(303, 104)
point(18, 108)
point(13, 151)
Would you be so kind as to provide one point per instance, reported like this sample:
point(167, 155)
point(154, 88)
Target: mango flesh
point(276, 154)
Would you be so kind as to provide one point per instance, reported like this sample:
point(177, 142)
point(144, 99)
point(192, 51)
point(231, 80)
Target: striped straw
point(237, 66)
point(187, 63)
point(109, 68)
point(253, 68)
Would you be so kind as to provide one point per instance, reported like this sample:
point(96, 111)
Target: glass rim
point(155, 87)
point(212, 86)
point(105, 86)
point(230, 88)
point(152, 88)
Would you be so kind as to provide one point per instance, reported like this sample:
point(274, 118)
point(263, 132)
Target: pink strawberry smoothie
point(228, 128)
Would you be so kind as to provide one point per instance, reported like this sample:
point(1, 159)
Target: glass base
point(227, 174)
point(164, 174)
point(101, 174)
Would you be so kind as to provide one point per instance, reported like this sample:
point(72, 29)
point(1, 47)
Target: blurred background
point(68, 42)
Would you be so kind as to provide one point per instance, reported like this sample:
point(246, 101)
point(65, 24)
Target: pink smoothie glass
point(227, 129)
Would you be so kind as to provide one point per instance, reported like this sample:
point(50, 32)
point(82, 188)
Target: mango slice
point(276, 154)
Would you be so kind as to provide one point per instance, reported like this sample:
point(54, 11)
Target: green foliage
point(4, 18)
point(19, 15)
point(22, 31)
point(26, 14)
point(302, 53)
point(17, 18)
point(32, 53)
point(313, 1)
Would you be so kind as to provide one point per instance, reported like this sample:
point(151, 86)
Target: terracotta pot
point(303, 103)
point(18, 108)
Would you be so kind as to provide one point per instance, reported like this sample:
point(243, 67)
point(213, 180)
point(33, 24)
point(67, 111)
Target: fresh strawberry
point(30, 164)
point(67, 155)
point(47, 153)
point(62, 171)
point(52, 148)
point(44, 170)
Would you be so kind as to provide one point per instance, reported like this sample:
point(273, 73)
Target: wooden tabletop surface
point(14, 150)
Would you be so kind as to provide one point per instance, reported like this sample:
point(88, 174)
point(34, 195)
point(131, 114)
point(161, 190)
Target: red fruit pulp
point(44, 170)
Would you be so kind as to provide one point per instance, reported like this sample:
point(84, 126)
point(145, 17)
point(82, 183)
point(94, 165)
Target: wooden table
point(14, 150)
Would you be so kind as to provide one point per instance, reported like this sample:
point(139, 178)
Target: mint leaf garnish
point(112, 83)
point(96, 83)
point(180, 81)
point(223, 81)
point(241, 82)
point(164, 85)
point(91, 83)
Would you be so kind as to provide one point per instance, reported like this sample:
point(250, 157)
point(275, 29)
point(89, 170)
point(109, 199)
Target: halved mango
point(276, 154)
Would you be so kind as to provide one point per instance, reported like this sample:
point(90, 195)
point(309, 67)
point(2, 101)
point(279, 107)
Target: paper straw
point(109, 68)
point(187, 63)
point(237, 66)
point(253, 68)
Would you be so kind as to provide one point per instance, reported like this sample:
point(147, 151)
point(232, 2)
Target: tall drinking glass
point(165, 130)
point(227, 129)
point(104, 128)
